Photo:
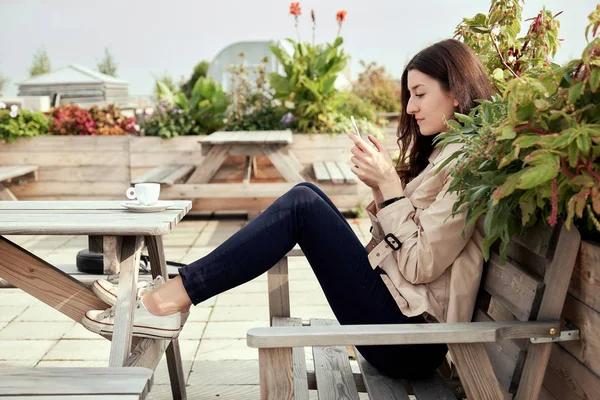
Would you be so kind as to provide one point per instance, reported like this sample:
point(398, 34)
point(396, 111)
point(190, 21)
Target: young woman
point(418, 265)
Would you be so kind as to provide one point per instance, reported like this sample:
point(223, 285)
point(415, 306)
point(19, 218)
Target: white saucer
point(136, 206)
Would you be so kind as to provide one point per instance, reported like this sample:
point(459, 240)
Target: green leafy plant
point(253, 107)
point(16, 124)
point(307, 87)
point(494, 37)
point(200, 70)
point(207, 107)
point(168, 121)
point(533, 153)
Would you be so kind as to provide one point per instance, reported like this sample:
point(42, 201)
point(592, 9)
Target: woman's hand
point(373, 166)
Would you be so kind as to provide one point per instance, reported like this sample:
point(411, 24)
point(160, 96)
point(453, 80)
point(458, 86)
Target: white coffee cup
point(146, 193)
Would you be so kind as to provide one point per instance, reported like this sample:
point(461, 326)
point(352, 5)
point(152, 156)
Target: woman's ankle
point(155, 307)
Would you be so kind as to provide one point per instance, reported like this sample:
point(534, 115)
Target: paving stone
point(225, 349)
point(35, 330)
point(24, 349)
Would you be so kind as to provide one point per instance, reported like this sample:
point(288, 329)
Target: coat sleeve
point(430, 246)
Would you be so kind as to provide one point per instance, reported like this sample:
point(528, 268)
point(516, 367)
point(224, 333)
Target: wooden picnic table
point(217, 146)
point(124, 234)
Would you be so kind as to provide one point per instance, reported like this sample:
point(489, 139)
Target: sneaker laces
point(108, 313)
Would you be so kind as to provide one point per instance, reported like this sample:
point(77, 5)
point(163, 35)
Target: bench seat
point(15, 174)
point(337, 172)
point(75, 383)
point(166, 175)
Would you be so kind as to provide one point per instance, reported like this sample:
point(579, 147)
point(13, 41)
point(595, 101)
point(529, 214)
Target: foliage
point(207, 106)
point(16, 124)
point(378, 87)
point(70, 119)
point(494, 38)
point(533, 153)
point(168, 121)
point(41, 63)
point(107, 65)
point(307, 87)
point(166, 80)
point(200, 70)
point(110, 122)
point(253, 107)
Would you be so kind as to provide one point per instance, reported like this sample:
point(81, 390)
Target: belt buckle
point(393, 241)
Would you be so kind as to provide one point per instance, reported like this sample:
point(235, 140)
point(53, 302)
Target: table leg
point(279, 291)
point(41, 280)
point(158, 266)
point(210, 164)
point(7, 194)
point(286, 163)
point(126, 256)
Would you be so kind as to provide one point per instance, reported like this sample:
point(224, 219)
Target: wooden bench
point(334, 172)
point(75, 383)
point(502, 354)
point(15, 174)
point(166, 175)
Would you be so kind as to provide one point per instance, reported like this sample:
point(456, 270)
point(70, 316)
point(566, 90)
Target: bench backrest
point(532, 285)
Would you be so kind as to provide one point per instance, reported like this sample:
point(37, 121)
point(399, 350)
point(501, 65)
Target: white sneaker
point(106, 290)
point(145, 324)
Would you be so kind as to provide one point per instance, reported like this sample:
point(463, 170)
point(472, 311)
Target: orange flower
point(341, 16)
point(295, 8)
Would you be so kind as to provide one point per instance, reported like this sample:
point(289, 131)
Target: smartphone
point(356, 129)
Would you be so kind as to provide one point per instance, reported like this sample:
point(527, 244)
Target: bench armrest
point(363, 335)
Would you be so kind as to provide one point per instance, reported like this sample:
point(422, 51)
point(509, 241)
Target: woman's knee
point(309, 185)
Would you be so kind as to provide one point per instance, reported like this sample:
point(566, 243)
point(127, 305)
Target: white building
point(77, 85)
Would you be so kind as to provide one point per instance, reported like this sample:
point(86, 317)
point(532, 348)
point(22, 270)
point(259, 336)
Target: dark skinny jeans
point(354, 290)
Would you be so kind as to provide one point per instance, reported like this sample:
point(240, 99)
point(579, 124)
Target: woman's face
point(429, 103)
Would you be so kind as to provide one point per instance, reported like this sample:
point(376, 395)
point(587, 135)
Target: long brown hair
point(458, 70)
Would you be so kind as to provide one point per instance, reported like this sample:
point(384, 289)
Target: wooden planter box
point(102, 167)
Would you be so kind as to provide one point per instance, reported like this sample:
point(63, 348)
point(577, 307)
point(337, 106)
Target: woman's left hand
point(373, 166)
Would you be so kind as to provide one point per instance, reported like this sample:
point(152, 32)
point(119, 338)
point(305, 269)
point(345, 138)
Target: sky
point(150, 38)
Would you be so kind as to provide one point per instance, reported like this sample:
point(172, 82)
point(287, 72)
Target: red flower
point(341, 16)
point(295, 8)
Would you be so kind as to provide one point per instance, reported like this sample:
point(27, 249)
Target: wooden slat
point(379, 386)
point(332, 369)
point(84, 143)
point(299, 361)
point(56, 218)
point(557, 280)
point(275, 368)
point(586, 275)
point(432, 388)
point(336, 175)
point(285, 164)
point(507, 357)
point(517, 290)
point(85, 174)
point(475, 371)
point(128, 257)
point(568, 379)
point(245, 137)
point(210, 165)
point(158, 266)
point(321, 173)
point(587, 320)
point(279, 291)
point(74, 381)
point(349, 176)
point(539, 239)
point(156, 175)
point(46, 283)
point(75, 206)
point(62, 158)
point(6, 194)
point(364, 335)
